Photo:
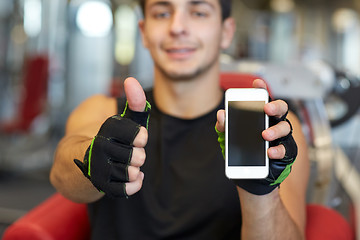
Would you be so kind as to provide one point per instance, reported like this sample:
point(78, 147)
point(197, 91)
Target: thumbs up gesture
point(112, 161)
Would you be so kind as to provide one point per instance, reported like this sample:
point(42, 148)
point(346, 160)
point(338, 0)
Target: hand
point(282, 151)
point(112, 161)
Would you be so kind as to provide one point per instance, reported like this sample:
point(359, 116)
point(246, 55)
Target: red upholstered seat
point(57, 218)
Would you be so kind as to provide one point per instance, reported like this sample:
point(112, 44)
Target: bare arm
point(82, 125)
point(281, 213)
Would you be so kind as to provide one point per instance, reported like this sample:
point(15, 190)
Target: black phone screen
point(246, 121)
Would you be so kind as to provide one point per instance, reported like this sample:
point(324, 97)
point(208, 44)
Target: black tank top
point(185, 193)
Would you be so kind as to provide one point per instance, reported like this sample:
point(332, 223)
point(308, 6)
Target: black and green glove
point(108, 157)
point(279, 169)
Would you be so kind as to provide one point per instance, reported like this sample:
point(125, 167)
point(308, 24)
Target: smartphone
point(245, 119)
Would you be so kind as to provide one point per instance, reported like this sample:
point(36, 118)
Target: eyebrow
point(193, 2)
point(198, 2)
point(159, 3)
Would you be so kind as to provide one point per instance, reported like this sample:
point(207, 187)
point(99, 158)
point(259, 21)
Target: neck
point(189, 98)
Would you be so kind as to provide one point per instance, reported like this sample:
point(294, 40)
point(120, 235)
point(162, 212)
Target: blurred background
point(54, 54)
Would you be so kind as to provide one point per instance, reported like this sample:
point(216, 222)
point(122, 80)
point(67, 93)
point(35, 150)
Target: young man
point(167, 181)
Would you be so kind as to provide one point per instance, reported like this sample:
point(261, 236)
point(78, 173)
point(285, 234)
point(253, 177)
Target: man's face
point(184, 37)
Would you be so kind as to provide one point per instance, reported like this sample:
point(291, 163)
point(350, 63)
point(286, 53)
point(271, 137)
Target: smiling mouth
point(180, 53)
point(180, 50)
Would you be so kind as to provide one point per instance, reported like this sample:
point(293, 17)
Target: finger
point(276, 108)
point(277, 152)
point(277, 131)
point(259, 83)
point(133, 187)
point(220, 124)
point(141, 138)
point(135, 95)
point(138, 157)
point(133, 173)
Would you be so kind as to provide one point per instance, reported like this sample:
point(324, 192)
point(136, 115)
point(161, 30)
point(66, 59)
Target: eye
point(161, 12)
point(161, 15)
point(199, 14)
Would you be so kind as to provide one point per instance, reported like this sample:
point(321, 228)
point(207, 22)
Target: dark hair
point(225, 8)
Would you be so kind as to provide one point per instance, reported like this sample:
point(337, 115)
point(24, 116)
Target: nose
point(178, 24)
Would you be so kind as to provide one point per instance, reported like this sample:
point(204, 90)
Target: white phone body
point(245, 119)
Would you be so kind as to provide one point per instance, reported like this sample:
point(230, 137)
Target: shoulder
point(97, 101)
point(93, 111)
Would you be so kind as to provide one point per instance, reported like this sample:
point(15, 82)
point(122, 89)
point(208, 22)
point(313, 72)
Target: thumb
point(134, 94)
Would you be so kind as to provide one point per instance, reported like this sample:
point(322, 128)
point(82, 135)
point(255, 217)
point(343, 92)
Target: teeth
point(178, 50)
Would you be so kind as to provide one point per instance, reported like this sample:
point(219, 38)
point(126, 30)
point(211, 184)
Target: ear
point(142, 33)
point(228, 31)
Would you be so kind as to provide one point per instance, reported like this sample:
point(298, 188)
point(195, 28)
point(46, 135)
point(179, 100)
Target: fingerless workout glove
point(108, 157)
point(279, 169)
